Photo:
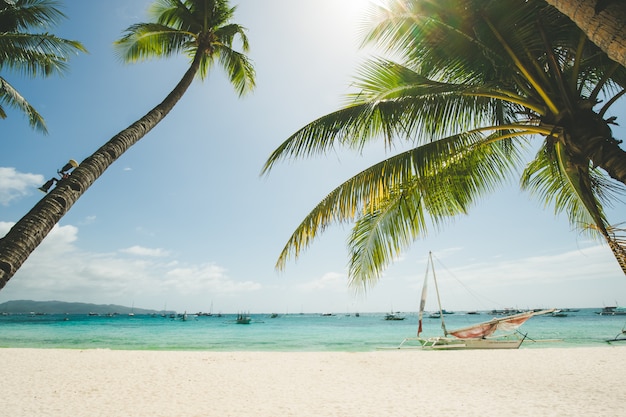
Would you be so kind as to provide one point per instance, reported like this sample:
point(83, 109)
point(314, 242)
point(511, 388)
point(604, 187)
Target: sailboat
point(497, 333)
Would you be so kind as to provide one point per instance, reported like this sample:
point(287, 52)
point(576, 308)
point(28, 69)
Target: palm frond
point(396, 102)
point(11, 97)
point(31, 54)
point(36, 54)
point(381, 234)
point(468, 82)
point(544, 179)
point(472, 163)
point(227, 34)
point(174, 14)
point(29, 14)
point(149, 40)
point(238, 67)
point(198, 28)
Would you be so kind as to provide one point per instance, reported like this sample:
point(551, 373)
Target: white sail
point(423, 299)
point(478, 336)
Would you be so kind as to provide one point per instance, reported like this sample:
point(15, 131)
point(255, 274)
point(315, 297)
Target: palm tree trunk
point(611, 158)
point(31, 229)
point(603, 21)
point(618, 247)
point(592, 139)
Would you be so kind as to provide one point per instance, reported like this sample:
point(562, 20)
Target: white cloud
point(141, 251)
point(333, 281)
point(575, 278)
point(59, 270)
point(592, 262)
point(14, 185)
point(88, 220)
point(210, 278)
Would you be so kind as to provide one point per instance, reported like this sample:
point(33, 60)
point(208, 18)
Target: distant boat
point(186, 316)
point(273, 315)
point(559, 313)
point(437, 314)
point(243, 318)
point(478, 336)
point(394, 316)
point(612, 311)
point(209, 314)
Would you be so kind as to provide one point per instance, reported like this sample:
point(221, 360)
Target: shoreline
point(103, 382)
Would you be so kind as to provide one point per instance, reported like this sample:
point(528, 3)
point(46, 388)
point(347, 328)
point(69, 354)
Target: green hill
point(61, 307)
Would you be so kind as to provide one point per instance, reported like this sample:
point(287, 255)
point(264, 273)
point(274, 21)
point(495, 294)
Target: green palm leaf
point(196, 28)
point(21, 15)
point(472, 164)
point(470, 82)
point(10, 97)
point(31, 54)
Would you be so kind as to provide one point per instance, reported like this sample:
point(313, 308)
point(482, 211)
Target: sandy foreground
point(526, 382)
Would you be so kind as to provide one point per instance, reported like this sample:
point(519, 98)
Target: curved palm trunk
point(592, 139)
point(603, 21)
point(607, 154)
point(31, 229)
point(618, 247)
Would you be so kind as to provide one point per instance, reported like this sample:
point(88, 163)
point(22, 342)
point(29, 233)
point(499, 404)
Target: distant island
point(61, 307)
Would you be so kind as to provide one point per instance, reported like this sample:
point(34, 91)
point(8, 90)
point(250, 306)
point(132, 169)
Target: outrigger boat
point(497, 333)
point(243, 318)
point(621, 337)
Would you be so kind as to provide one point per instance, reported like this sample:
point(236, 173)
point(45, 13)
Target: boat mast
point(443, 323)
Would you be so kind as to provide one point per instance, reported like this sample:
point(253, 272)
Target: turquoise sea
point(287, 332)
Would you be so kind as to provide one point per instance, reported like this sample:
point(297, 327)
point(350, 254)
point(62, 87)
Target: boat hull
point(448, 343)
point(444, 343)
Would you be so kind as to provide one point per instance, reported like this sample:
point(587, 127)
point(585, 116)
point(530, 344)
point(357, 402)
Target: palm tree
point(602, 20)
point(467, 97)
point(201, 29)
point(32, 54)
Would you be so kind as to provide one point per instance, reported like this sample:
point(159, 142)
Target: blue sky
point(184, 220)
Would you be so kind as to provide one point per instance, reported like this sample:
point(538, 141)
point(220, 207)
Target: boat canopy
point(504, 324)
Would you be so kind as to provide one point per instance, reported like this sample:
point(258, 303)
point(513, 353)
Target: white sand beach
point(526, 382)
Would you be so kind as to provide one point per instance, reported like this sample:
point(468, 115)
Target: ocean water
point(288, 332)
